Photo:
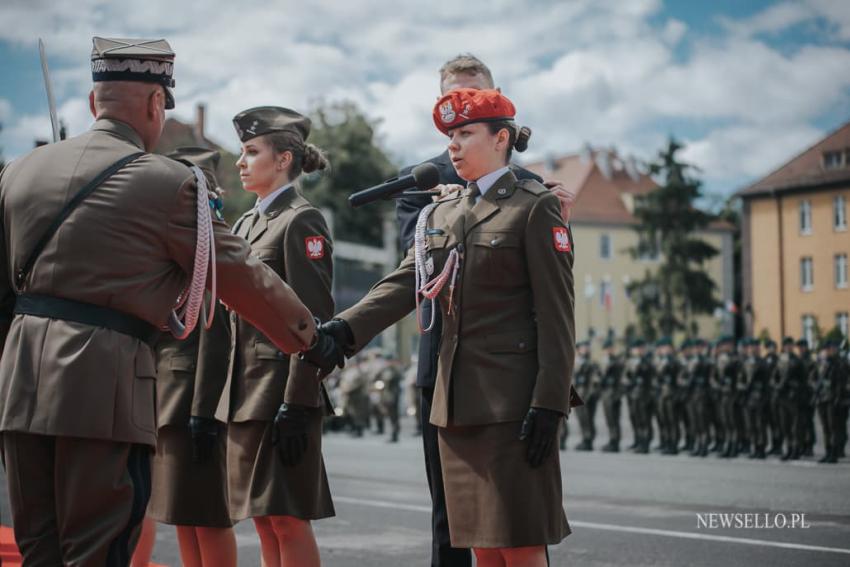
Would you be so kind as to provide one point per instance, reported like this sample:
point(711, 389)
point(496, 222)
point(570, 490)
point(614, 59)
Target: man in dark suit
point(464, 71)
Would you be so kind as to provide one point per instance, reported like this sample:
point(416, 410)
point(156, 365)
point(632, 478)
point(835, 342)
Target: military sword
point(51, 102)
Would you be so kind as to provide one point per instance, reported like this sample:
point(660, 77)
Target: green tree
point(357, 161)
point(670, 298)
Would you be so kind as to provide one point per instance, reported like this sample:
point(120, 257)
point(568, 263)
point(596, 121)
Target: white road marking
point(619, 528)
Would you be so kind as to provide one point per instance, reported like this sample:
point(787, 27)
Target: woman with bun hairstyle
point(497, 257)
point(273, 403)
point(188, 488)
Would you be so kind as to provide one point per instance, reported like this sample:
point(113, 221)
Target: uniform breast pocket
point(267, 352)
point(498, 256)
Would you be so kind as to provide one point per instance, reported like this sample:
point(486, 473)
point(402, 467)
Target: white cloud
point(607, 72)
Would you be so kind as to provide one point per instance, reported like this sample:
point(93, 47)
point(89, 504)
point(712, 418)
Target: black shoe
point(585, 446)
point(808, 452)
point(775, 450)
point(611, 447)
point(760, 454)
point(828, 459)
point(786, 455)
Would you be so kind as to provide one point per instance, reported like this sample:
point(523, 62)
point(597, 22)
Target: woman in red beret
point(497, 257)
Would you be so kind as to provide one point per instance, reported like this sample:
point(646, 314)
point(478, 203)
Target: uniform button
point(460, 248)
point(494, 242)
point(521, 345)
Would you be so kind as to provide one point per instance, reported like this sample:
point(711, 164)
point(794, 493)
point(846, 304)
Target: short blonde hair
point(466, 64)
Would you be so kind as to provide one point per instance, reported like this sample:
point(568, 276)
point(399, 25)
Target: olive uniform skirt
point(185, 493)
point(493, 496)
point(260, 485)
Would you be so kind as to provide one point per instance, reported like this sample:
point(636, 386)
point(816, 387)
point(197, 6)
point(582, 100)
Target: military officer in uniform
point(388, 384)
point(611, 394)
point(755, 381)
point(99, 237)
point(463, 71)
point(789, 390)
point(807, 414)
point(830, 399)
point(640, 381)
point(667, 369)
point(774, 424)
point(726, 378)
point(503, 383)
point(275, 404)
point(698, 372)
point(586, 379)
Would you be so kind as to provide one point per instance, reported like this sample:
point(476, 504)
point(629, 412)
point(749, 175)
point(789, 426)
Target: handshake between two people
point(334, 341)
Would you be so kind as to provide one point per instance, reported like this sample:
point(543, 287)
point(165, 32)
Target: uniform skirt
point(493, 496)
point(260, 485)
point(183, 492)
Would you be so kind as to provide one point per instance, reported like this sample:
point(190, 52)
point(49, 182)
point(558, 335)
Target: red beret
point(465, 106)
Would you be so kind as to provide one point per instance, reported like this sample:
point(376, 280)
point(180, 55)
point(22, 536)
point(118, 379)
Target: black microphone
point(424, 176)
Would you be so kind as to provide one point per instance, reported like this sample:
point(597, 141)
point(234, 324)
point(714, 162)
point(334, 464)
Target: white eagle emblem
point(562, 239)
point(447, 112)
point(315, 246)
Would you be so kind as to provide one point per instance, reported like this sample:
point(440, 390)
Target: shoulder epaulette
point(532, 186)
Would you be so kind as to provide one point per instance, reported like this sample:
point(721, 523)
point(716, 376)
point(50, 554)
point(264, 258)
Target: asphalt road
point(624, 509)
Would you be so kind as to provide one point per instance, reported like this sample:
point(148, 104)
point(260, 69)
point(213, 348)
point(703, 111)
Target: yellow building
point(795, 243)
point(603, 226)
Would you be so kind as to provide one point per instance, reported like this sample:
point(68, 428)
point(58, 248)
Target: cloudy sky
point(746, 84)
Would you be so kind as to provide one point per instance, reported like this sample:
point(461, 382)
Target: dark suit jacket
point(407, 211)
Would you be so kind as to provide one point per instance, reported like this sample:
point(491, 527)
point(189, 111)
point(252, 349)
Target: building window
point(807, 274)
point(833, 159)
point(809, 325)
point(841, 271)
point(605, 246)
point(805, 217)
point(842, 321)
point(839, 213)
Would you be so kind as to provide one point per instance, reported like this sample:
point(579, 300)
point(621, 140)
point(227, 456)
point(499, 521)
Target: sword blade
point(51, 102)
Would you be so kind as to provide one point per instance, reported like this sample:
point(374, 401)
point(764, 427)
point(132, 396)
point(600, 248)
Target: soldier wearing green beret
point(667, 369)
point(640, 378)
point(808, 411)
point(789, 390)
point(586, 381)
point(726, 378)
point(611, 394)
point(756, 399)
point(830, 398)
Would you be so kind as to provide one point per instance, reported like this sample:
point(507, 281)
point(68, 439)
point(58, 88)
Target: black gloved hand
point(204, 432)
point(333, 341)
point(289, 433)
point(540, 429)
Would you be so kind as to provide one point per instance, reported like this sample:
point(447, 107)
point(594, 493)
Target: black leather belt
point(86, 313)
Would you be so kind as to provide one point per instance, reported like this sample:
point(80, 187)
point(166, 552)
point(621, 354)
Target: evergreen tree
point(669, 298)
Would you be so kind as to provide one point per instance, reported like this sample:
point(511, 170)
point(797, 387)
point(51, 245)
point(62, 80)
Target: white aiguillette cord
point(430, 290)
point(184, 316)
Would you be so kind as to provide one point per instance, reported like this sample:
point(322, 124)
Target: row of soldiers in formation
point(718, 398)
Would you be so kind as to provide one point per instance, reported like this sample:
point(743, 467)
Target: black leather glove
point(540, 429)
point(333, 341)
point(289, 433)
point(204, 432)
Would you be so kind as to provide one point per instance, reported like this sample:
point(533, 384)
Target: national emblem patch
point(315, 247)
point(561, 237)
